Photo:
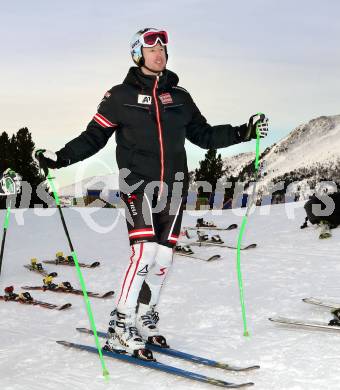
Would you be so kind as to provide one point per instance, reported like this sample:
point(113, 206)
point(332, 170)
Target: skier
point(324, 220)
point(10, 183)
point(151, 117)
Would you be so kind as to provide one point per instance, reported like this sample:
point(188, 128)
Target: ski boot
point(25, 297)
point(146, 323)
point(65, 286)
point(48, 283)
point(69, 259)
point(35, 265)
point(336, 320)
point(178, 249)
point(216, 239)
point(10, 295)
point(325, 230)
point(60, 258)
point(123, 337)
point(202, 223)
point(202, 236)
point(187, 250)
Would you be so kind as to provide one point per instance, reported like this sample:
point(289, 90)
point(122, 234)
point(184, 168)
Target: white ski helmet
point(147, 37)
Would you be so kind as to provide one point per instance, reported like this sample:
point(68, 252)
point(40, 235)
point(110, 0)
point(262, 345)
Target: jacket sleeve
point(200, 133)
point(96, 135)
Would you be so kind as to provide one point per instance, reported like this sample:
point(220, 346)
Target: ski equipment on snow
point(26, 298)
point(64, 287)
point(38, 268)
point(230, 227)
point(68, 260)
point(80, 277)
point(158, 366)
point(184, 355)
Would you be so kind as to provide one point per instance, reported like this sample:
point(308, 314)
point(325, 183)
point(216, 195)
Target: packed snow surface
point(199, 308)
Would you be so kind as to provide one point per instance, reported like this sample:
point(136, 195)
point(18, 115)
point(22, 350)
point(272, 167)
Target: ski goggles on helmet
point(150, 38)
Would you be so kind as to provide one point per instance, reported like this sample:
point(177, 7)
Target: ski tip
point(65, 343)
point(84, 330)
point(279, 320)
point(108, 294)
point(95, 264)
point(66, 306)
point(250, 368)
point(221, 383)
point(215, 257)
point(228, 367)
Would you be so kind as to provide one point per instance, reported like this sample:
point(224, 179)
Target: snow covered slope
point(234, 165)
point(199, 307)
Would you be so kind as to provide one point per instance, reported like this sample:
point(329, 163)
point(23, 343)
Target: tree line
point(16, 153)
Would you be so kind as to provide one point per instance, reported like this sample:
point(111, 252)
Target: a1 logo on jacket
point(144, 99)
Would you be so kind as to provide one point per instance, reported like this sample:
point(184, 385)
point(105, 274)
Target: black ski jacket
point(151, 118)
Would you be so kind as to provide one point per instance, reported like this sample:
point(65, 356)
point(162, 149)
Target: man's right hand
point(47, 159)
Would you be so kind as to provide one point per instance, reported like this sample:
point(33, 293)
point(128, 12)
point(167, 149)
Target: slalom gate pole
point(243, 226)
point(80, 277)
point(6, 223)
point(9, 184)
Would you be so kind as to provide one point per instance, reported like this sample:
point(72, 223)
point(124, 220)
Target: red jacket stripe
point(100, 119)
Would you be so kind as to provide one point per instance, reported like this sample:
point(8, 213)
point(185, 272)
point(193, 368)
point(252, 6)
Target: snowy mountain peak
point(309, 154)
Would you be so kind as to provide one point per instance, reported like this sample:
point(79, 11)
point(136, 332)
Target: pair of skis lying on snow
point(311, 324)
point(168, 368)
point(210, 243)
point(46, 305)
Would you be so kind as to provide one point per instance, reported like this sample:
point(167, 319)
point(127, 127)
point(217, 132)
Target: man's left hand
point(257, 122)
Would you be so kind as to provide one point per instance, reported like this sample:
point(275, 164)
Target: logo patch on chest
point(144, 99)
point(166, 98)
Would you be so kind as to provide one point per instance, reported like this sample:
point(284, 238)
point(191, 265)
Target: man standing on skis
point(151, 117)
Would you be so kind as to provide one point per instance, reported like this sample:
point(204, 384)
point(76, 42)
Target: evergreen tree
point(5, 152)
point(16, 153)
point(210, 169)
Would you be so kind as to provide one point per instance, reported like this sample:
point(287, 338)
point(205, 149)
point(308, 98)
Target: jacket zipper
point(160, 135)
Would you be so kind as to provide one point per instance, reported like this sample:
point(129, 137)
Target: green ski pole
point(80, 277)
point(8, 212)
point(243, 226)
point(12, 190)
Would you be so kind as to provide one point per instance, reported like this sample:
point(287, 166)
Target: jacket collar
point(137, 78)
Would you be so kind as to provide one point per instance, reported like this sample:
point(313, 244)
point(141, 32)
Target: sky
point(235, 58)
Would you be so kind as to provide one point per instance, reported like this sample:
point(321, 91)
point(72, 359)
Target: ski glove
point(47, 159)
point(10, 183)
point(259, 121)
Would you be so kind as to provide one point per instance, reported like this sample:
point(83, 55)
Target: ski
point(208, 243)
point(157, 366)
point(193, 256)
point(182, 355)
point(322, 303)
point(71, 263)
point(230, 227)
point(304, 323)
point(40, 271)
point(57, 289)
point(35, 302)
